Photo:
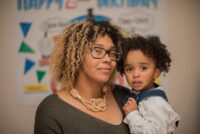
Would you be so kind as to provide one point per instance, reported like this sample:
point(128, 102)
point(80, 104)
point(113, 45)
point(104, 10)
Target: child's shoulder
point(152, 94)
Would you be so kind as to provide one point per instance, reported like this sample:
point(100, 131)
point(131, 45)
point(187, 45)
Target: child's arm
point(155, 116)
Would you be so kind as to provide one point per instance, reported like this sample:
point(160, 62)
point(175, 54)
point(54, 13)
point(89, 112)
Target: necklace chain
point(93, 104)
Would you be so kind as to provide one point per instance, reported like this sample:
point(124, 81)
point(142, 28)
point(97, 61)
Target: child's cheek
point(129, 79)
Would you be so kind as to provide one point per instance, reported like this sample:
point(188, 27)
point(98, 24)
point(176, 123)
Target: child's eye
point(128, 69)
point(144, 68)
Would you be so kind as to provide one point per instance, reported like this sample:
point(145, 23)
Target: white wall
point(14, 118)
point(184, 44)
point(183, 20)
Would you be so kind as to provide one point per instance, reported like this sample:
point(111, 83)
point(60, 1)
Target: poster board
point(37, 23)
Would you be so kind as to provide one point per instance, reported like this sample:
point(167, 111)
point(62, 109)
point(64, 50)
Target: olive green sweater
point(55, 116)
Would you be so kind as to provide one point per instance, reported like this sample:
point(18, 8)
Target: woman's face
point(98, 66)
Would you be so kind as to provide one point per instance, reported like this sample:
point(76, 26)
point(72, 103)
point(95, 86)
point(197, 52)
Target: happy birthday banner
point(37, 24)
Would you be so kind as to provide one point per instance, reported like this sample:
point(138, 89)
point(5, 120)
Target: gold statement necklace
point(93, 104)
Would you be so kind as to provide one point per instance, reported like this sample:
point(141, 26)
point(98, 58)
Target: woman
point(84, 62)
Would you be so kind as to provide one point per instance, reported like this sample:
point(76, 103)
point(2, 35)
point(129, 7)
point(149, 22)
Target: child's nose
point(136, 73)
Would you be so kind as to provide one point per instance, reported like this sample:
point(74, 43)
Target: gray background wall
point(183, 40)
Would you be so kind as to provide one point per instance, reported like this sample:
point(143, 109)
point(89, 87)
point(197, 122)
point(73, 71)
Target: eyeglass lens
point(98, 53)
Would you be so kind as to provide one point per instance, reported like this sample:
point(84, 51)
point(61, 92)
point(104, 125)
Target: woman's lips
point(105, 70)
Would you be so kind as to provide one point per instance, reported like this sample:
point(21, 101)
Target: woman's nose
point(107, 58)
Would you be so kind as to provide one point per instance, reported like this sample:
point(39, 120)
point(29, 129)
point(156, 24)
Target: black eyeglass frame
point(118, 54)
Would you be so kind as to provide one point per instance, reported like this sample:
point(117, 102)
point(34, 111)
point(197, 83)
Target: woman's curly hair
point(72, 45)
point(151, 46)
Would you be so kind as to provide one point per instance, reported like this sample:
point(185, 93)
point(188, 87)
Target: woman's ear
point(157, 73)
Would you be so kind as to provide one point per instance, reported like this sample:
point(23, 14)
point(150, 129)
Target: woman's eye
point(113, 53)
point(98, 51)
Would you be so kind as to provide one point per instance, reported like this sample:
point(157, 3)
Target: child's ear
point(157, 73)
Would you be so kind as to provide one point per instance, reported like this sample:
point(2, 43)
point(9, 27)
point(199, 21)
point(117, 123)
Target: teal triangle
point(40, 75)
point(28, 65)
point(25, 26)
point(25, 48)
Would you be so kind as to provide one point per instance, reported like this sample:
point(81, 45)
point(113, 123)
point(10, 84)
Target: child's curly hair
point(73, 43)
point(151, 46)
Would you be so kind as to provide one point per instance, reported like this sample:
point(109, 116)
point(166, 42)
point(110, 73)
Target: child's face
point(140, 70)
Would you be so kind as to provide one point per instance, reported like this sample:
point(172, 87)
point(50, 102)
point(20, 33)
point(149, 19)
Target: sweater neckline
point(84, 114)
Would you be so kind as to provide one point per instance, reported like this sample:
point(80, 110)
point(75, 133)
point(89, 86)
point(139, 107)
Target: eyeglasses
point(99, 53)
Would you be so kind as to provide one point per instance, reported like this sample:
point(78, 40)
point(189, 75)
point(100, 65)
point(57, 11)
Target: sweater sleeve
point(155, 116)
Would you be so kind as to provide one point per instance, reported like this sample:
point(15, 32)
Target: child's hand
point(130, 105)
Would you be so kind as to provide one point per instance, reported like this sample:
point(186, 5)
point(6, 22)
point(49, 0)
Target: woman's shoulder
point(48, 99)
point(52, 105)
point(119, 89)
point(120, 92)
point(47, 103)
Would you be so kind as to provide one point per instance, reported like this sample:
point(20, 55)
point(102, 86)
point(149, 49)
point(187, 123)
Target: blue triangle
point(28, 65)
point(25, 26)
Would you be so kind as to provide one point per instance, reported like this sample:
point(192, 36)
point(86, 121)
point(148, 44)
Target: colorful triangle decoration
point(40, 75)
point(25, 27)
point(28, 65)
point(24, 48)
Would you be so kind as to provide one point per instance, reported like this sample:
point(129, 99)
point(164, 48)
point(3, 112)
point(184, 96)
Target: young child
point(143, 60)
